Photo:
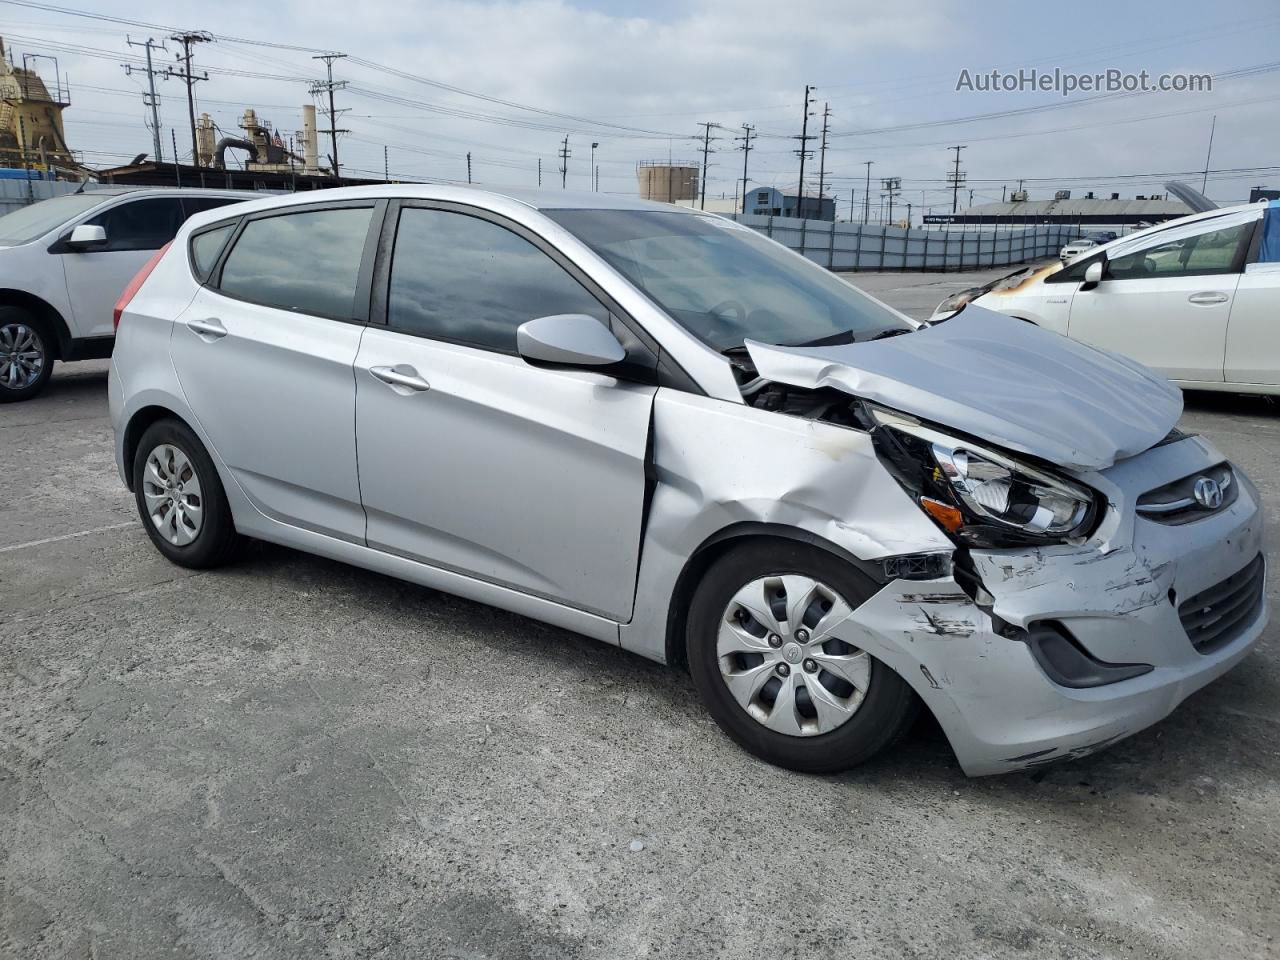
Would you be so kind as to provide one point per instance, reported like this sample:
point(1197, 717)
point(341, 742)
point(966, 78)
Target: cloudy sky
point(507, 79)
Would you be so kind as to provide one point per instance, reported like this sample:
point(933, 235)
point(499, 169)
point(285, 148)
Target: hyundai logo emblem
point(1207, 493)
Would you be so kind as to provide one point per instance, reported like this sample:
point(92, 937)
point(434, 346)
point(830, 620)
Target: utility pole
point(190, 79)
point(746, 148)
point(564, 162)
point(386, 169)
point(822, 154)
point(866, 196)
point(804, 139)
point(595, 171)
point(706, 148)
point(539, 171)
point(852, 208)
point(150, 99)
point(177, 167)
point(892, 186)
point(908, 214)
point(468, 166)
point(956, 179)
point(1204, 183)
point(329, 86)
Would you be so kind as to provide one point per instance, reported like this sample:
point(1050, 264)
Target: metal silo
point(667, 180)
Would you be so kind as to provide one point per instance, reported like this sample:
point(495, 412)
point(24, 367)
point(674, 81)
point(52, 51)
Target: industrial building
point(1088, 211)
point(32, 138)
point(786, 202)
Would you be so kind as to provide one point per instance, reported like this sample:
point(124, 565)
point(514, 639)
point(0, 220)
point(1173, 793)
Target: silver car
point(657, 428)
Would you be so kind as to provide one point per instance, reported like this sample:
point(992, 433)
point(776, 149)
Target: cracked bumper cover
point(1118, 598)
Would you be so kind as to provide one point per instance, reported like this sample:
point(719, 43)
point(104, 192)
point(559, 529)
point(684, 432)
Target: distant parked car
point(663, 430)
point(63, 264)
point(1075, 248)
point(1104, 236)
point(1196, 299)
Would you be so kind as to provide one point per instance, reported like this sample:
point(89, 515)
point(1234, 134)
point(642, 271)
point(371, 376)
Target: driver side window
point(1202, 254)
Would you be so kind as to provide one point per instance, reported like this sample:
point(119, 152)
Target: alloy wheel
point(781, 661)
point(171, 490)
point(22, 356)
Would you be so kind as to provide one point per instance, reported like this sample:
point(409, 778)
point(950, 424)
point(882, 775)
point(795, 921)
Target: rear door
point(470, 458)
point(136, 229)
point(265, 354)
point(1165, 302)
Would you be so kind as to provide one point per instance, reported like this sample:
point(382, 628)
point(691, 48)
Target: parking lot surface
point(292, 758)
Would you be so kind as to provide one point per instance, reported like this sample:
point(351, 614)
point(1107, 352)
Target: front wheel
point(26, 355)
point(180, 497)
point(772, 657)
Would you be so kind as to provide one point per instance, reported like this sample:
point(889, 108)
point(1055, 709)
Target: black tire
point(886, 711)
point(216, 539)
point(43, 340)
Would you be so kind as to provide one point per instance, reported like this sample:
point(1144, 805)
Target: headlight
point(958, 300)
point(981, 497)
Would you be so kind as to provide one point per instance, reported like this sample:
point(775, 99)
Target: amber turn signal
point(947, 516)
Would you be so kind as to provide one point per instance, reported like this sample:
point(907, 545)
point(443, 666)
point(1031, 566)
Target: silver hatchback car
point(660, 429)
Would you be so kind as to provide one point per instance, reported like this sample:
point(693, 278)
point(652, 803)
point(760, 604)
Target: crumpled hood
point(1000, 379)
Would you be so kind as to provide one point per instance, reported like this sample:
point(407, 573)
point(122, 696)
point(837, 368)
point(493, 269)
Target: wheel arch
point(143, 418)
point(722, 542)
point(43, 310)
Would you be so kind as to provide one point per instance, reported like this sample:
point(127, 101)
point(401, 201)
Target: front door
point(471, 459)
point(1166, 303)
point(136, 229)
point(265, 356)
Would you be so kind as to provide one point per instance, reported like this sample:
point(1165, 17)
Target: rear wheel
point(180, 497)
point(775, 662)
point(26, 355)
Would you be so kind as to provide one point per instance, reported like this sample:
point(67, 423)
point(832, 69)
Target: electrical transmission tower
point(747, 131)
point(955, 178)
point(149, 98)
point(187, 76)
point(328, 86)
point(804, 138)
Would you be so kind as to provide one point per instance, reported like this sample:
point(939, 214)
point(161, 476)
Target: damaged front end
point(1050, 612)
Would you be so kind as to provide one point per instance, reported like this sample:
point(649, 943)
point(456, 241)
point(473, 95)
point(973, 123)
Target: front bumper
point(1118, 599)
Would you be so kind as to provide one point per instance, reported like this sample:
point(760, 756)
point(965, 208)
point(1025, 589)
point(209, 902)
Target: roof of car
point(115, 191)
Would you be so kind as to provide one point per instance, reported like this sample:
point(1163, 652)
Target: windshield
point(27, 223)
point(725, 283)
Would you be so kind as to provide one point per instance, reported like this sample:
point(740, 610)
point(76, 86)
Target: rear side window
point(460, 278)
point(140, 224)
point(205, 248)
point(194, 205)
point(308, 261)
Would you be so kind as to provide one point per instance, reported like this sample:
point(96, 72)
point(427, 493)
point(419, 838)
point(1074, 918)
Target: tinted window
point(1204, 253)
point(300, 261)
point(194, 205)
point(140, 224)
point(205, 248)
point(460, 278)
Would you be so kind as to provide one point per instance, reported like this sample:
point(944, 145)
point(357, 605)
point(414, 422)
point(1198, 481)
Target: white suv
point(63, 264)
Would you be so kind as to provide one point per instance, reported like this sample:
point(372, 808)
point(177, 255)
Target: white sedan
point(1075, 248)
point(1196, 299)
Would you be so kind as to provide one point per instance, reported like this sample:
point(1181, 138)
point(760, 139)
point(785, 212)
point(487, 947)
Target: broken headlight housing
point(981, 497)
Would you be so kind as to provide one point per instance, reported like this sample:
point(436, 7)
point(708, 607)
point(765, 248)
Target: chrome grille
point(1176, 503)
point(1214, 617)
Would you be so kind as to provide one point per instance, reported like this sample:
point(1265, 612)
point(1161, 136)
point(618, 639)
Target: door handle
point(208, 330)
point(401, 375)
point(1208, 296)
